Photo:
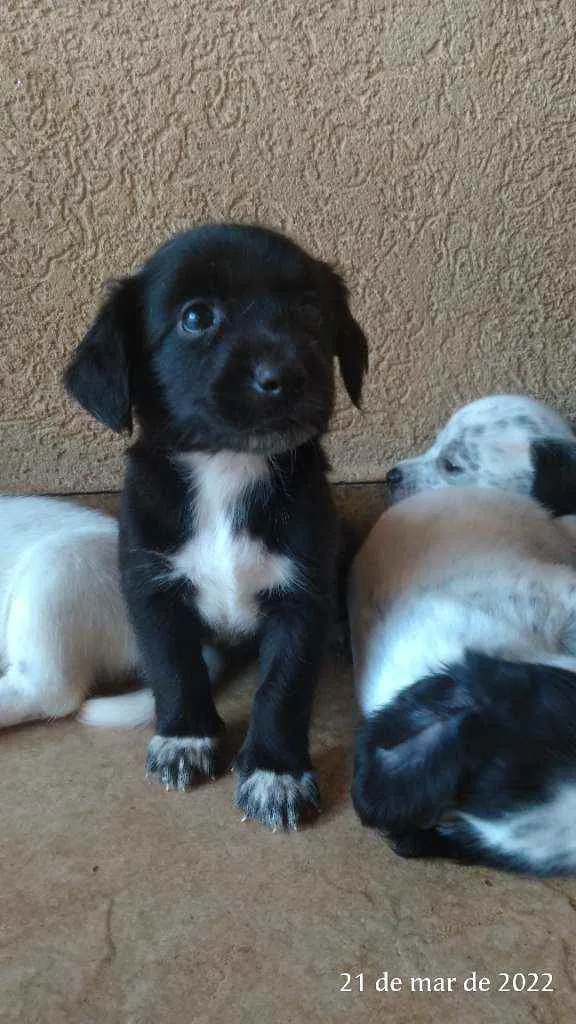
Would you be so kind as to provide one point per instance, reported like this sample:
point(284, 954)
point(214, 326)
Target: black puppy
point(222, 347)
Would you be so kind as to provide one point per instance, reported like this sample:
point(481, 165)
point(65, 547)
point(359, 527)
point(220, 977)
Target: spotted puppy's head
point(225, 339)
point(511, 442)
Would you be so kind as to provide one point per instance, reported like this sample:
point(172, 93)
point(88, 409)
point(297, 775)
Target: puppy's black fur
point(224, 342)
point(554, 484)
point(465, 741)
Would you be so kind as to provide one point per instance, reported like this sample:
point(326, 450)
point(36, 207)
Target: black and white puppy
point(222, 348)
point(463, 619)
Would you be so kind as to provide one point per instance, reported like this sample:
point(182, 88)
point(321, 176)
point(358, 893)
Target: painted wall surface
point(427, 147)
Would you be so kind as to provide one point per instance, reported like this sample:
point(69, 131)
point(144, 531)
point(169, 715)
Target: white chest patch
point(228, 567)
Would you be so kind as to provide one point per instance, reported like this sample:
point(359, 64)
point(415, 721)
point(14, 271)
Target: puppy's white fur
point(228, 567)
point(63, 621)
point(446, 572)
point(63, 625)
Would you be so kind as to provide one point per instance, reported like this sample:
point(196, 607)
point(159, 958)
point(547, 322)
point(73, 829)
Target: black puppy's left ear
point(350, 345)
point(554, 480)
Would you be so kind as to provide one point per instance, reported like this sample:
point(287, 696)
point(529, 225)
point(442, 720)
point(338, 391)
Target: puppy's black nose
point(394, 477)
point(273, 380)
point(267, 379)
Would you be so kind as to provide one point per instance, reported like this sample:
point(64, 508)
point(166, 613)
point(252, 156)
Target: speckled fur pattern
point(487, 443)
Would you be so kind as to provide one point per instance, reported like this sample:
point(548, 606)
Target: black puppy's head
point(225, 338)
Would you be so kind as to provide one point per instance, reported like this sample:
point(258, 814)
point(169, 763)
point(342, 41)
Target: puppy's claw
point(292, 822)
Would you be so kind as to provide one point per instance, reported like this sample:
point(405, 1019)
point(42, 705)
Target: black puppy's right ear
point(554, 481)
point(99, 373)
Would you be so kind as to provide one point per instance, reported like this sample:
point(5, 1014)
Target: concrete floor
point(122, 903)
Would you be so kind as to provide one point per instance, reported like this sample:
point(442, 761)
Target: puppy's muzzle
point(273, 378)
point(394, 477)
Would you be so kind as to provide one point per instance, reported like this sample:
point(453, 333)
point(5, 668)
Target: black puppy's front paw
point(276, 799)
point(178, 761)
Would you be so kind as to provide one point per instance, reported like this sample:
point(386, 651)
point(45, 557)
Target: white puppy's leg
point(65, 626)
point(26, 696)
point(38, 682)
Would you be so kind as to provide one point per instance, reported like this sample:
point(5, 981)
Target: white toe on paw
point(178, 760)
point(276, 799)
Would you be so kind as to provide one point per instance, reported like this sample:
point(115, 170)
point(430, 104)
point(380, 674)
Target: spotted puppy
point(463, 617)
point(505, 441)
point(222, 348)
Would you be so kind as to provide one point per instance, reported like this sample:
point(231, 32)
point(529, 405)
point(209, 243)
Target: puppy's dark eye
point(197, 317)
point(450, 467)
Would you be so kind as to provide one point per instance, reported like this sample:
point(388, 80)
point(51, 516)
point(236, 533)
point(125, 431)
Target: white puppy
point(463, 615)
point(64, 628)
point(63, 625)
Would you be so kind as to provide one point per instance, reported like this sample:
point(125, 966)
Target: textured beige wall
point(426, 147)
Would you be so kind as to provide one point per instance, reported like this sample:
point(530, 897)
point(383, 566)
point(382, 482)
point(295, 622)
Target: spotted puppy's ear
point(554, 480)
point(99, 373)
point(350, 345)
